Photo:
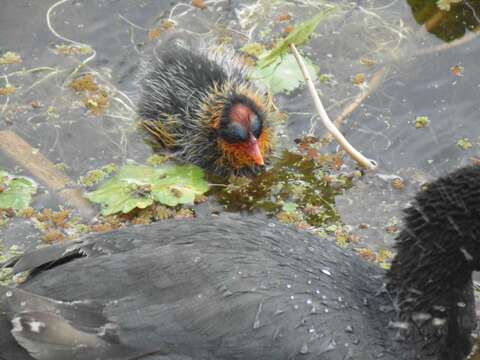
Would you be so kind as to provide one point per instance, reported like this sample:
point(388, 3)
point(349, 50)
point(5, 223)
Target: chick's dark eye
point(255, 126)
point(234, 133)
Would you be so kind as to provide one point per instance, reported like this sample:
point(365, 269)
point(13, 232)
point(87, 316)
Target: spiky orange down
point(235, 156)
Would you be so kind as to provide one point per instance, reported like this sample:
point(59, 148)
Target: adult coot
point(229, 287)
point(202, 104)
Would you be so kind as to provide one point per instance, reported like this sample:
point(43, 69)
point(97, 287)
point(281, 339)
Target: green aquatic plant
point(298, 36)
point(284, 75)
point(464, 143)
point(15, 191)
point(421, 121)
point(139, 186)
point(297, 189)
point(97, 175)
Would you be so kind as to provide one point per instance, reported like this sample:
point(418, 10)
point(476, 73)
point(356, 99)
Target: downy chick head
point(242, 138)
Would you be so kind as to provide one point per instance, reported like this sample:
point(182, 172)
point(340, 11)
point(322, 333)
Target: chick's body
point(202, 105)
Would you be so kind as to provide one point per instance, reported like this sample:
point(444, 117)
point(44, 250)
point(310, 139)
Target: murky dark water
point(419, 79)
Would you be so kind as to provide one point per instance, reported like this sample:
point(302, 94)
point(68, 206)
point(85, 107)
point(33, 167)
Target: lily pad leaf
point(179, 185)
point(284, 75)
point(15, 191)
point(298, 36)
point(289, 207)
point(138, 186)
point(118, 195)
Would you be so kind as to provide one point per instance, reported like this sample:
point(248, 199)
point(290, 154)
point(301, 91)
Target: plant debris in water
point(298, 36)
point(15, 191)
point(421, 121)
point(8, 90)
point(95, 176)
point(382, 258)
point(96, 98)
point(457, 70)
point(84, 83)
point(299, 189)
point(139, 186)
point(154, 33)
point(9, 58)
point(72, 50)
point(358, 79)
point(464, 143)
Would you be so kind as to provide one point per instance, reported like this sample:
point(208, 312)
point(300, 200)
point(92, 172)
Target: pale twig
point(87, 60)
point(354, 154)
point(39, 81)
point(24, 72)
point(170, 16)
point(61, 37)
point(131, 23)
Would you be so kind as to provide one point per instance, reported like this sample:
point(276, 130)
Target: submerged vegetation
point(298, 189)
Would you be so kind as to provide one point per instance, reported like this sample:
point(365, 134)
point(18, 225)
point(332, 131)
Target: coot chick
point(202, 105)
point(242, 288)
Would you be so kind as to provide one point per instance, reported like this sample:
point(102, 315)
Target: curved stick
point(354, 153)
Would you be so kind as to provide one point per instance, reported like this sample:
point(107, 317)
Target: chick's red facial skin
point(241, 116)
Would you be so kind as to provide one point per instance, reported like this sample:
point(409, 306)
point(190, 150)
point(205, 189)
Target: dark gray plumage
point(243, 288)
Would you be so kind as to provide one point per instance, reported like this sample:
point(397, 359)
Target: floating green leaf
point(298, 36)
point(179, 185)
point(421, 121)
point(138, 186)
point(15, 191)
point(95, 176)
point(464, 143)
point(289, 207)
point(284, 75)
